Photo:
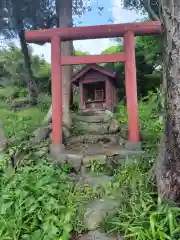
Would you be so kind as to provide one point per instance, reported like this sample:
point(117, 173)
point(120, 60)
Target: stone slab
point(97, 210)
point(98, 118)
point(92, 139)
point(133, 146)
point(128, 153)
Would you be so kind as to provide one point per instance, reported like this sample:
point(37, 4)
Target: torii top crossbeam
point(127, 31)
point(93, 32)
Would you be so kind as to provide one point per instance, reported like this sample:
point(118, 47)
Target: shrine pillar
point(56, 83)
point(131, 88)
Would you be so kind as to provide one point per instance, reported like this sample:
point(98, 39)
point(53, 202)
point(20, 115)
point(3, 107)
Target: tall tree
point(168, 164)
point(66, 9)
point(168, 177)
point(18, 16)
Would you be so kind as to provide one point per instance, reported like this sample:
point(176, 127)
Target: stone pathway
point(102, 140)
point(95, 211)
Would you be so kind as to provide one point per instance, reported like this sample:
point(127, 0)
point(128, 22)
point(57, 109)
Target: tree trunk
point(31, 84)
point(64, 11)
point(168, 170)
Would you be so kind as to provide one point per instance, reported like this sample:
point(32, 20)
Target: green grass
point(39, 202)
point(21, 122)
point(142, 215)
point(151, 123)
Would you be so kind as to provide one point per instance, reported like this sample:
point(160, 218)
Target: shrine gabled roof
point(95, 67)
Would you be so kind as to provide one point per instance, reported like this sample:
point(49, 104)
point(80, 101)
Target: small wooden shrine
point(97, 88)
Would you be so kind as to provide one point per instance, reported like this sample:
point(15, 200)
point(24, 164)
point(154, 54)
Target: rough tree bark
point(168, 165)
point(31, 84)
point(64, 11)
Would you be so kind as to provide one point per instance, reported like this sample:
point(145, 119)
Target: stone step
point(97, 210)
point(82, 160)
point(113, 139)
point(94, 128)
point(100, 128)
point(99, 118)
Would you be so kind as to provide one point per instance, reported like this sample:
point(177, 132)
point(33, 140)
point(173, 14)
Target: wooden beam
point(56, 83)
point(131, 87)
point(94, 32)
point(106, 58)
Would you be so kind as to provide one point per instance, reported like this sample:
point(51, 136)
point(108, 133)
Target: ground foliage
point(39, 202)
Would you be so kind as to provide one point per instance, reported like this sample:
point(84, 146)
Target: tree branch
point(147, 6)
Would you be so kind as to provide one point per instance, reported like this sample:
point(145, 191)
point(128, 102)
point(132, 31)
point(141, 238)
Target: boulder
point(114, 126)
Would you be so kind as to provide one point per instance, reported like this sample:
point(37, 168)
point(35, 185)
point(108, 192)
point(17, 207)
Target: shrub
point(37, 203)
point(151, 124)
point(142, 215)
point(23, 92)
point(21, 123)
point(44, 101)
point(9, 92)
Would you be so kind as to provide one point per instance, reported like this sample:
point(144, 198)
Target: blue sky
point(112, 11)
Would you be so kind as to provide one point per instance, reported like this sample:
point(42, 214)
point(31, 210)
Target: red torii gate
point(127, 31)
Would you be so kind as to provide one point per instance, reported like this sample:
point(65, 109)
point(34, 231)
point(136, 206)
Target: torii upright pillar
point(56, 83)
point(131, 91)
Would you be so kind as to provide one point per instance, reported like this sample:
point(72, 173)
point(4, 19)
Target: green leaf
point(4, 207)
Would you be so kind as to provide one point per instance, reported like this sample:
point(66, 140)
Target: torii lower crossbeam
point(127, 31)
